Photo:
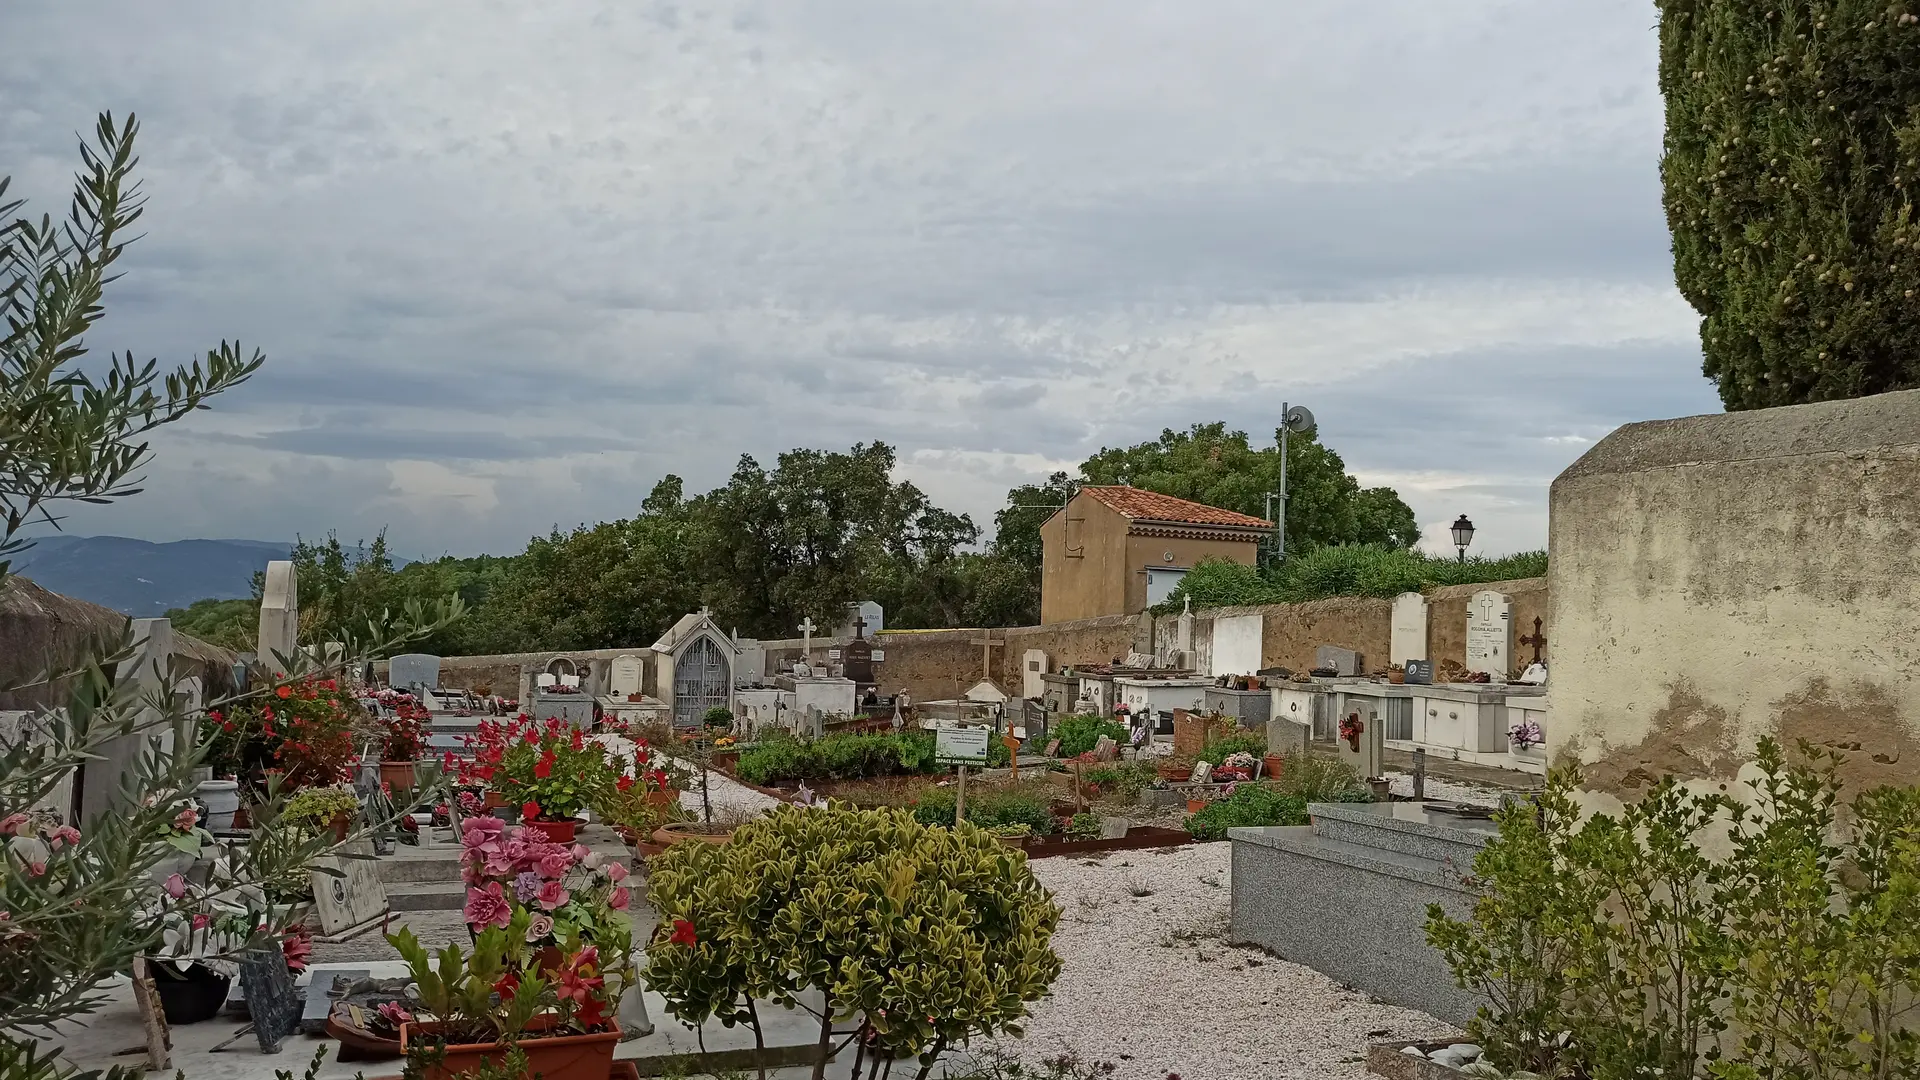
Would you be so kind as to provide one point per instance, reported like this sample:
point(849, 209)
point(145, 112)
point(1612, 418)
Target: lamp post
point(1462, 535)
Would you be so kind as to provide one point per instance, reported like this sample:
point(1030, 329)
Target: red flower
point(544, 767)
point(285, 692)
point(297, 947)
point(530, 810)
point(683, 933)
point(506, 986)
point(624, 784)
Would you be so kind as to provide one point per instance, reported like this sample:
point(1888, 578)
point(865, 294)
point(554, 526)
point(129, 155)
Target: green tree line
point(801, 539)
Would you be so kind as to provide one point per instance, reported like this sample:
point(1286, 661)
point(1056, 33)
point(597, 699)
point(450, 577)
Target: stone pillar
point(137, 682)
point(279, 617)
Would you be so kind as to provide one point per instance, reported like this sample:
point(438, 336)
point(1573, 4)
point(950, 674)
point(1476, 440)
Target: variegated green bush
point(919, 938)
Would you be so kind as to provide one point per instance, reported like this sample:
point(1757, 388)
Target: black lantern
point(1462, 535)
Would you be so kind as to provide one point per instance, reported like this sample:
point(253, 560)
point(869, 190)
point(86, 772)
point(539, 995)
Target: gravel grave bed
point(1149, 984)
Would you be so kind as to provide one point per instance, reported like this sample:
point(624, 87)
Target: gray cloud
point(510, 269)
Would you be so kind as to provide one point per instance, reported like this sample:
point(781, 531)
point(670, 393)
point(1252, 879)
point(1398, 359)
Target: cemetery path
point(1149, 984)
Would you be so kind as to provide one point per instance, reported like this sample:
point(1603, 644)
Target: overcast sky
point(512, 262)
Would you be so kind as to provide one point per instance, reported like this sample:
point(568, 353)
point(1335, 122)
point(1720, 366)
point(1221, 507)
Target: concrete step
point(427, 896)
point(1404, 827)
point(438, 869)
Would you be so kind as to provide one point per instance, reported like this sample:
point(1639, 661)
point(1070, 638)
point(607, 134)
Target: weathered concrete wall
point(1719, 578)
point(932, 664)
point(500, 672)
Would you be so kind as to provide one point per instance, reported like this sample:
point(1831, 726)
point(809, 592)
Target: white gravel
point(1148, 983)
point(1401, 784)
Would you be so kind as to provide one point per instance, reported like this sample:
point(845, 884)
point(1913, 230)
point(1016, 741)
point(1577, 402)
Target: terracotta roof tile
point(1135, 503)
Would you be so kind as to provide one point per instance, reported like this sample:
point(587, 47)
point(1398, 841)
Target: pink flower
point(395, 1013)
point(36, 869)
point(176, 886)
point(552, 895)
point(619, 898)
point(186, 819)
point(488, 906)
point(616, 871)
point(540, 926)
point(580, 853)
point(202, 921)
point(68, 833)
point(11, 824)
point(478, 830)
point(555, 865)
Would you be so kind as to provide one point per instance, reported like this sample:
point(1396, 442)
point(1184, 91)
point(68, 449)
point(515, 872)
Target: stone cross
point(1535, 639)
point(987, 644)
point(806, 629)
point(706, 612)
point(859, 624)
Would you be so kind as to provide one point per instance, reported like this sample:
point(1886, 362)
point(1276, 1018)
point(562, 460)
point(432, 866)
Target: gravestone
point(279, 616)
point(1419, 673)
point(1365, 750)
point(544, 680)
point(409, 670)
point(857, 662)
point(623, 677)
point(1490, 634)
point(356, 896)
point(1342, 661)
point(1408, 635)
point(320, 995)
point(1287, 738)
point(863, 619)
point(273, 1002)
point(1033, 664)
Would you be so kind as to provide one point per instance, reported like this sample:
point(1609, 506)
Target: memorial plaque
point(1419, 673)
point(273, 1001)
point(353, 897)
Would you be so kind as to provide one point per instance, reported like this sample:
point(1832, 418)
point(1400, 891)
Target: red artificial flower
point(285, 692)
point(530, 810)
point(297, 947)
point(506, 986)
point(683, 933)
point(624, 784)
point(579, 740)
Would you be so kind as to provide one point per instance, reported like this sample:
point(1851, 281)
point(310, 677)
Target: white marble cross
point(806, 629)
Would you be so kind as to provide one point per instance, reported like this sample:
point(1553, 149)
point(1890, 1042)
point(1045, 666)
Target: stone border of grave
point(1390, 1059)
point(1138, 837)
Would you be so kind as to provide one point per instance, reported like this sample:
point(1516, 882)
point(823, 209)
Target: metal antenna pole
point(1280, 525)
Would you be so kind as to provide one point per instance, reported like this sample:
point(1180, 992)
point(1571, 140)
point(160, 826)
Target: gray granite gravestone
point(1342, 661)
point(273, 1001)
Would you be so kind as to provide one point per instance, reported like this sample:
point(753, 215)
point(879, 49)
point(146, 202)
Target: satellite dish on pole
point(1298, 420)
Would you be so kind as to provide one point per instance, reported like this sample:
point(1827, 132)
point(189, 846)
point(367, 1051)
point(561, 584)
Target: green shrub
point(923, 938)
point(841, 756)
point(1242, 742)
point(1078, 734)
point(1250, 805)
point(1318, 779)
point(988, 809)
point(1341, 570)
point(1125, 779)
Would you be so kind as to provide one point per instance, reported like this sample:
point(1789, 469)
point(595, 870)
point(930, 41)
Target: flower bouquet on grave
point(566, 891)
point(551, 771)
point(403, 739)
point(1526, 735)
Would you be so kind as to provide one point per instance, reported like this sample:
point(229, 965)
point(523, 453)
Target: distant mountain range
point(145, 579)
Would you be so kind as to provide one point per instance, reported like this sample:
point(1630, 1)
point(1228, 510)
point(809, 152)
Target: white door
point(1160, 582)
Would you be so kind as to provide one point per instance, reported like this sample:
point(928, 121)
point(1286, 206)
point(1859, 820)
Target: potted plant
point(322, 810)
point(1526, 743)
point(496, 1004)
point(403, 737)
point(191, 968)
point(568, 891)
point(699, 746)
point(638, 803)
point(550, 771)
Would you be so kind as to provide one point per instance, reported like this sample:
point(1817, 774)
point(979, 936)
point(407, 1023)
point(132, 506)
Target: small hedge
point(1078, 734)
point(1245, 742)
point(989, 809)
point(1250, 805)
point(847, 756)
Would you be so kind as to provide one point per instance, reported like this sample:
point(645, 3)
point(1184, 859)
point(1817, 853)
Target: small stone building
point(694, 665)
point(1115, 550)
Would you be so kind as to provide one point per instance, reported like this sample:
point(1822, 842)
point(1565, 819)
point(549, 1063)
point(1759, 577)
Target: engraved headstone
point(1034, 664)
point(623, 677)
point(1408, 635)
point(353, 897)
point(1490, 634)
point(1342, 661)
point(409, 670)
point(858, 663)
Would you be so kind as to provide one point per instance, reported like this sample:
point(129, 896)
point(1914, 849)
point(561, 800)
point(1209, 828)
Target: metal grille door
point(701, 680)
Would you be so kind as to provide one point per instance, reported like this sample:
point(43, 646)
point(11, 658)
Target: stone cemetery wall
point(1720, 578)
point(1447, 619)
point(500, 672)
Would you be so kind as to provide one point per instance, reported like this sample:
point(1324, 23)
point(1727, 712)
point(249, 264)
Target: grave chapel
point(694, 667)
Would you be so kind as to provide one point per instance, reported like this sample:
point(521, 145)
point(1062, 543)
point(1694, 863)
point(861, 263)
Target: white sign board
point(879, 655)
point(961, 746)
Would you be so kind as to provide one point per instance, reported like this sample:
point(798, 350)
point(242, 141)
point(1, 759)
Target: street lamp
point(1462, 535)
point(1297, 419)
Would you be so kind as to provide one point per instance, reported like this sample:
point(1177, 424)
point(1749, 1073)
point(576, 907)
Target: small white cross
point(706, 612)
point(806, 629)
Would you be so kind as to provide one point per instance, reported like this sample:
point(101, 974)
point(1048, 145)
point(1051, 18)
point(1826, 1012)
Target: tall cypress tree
point(1792, 150)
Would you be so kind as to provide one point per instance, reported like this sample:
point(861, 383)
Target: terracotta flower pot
point(679, 832)
point(398, 775)
point(555, 1057)
point(342, 825)
point(492, 801)
point(662, 798)
point(1194, 806)
point(555, 832)
point(1273, 765)
point(1171, 772)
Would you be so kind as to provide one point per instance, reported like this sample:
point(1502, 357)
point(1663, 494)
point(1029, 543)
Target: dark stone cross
point(1535, 639)
point(859, 624)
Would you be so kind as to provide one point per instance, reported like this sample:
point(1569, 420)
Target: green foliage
point(841, 756)
point(1320, 779)
point(1341, 571)
point(1619, 932)
point(317, 807)
point(459, 989)
point(1085, 826)
point(230, 624)
point(1000, 1063)
point(919, 938)
point(1210, 464)
point(1122, 779)
point(1240, 742)
point(989, 808)
point(1249, 805)
point(1792, 136)
point(1078, 734)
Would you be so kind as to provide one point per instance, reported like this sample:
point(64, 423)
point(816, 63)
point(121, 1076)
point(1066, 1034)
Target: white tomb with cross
point(1490, 634)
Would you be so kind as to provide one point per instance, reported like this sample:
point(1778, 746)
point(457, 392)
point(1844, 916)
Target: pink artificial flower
point(478, 830)
point(619, 897)
point(176, 886)
point(38, 869)
point(11, 824)
point(202, 921)
point(68, 833)
point(553, 894)
point(539, 927)
point(580, 853)
point(395, 1013)
point(616, 871)
point(186, 819)
point(488, 906)
point(555, 864)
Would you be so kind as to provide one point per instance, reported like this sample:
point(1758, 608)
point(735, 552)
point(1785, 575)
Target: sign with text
point(1419, 673)
point(961, 746)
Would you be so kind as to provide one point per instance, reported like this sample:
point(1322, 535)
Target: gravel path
point(1401, 784)
point(1149, 984)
